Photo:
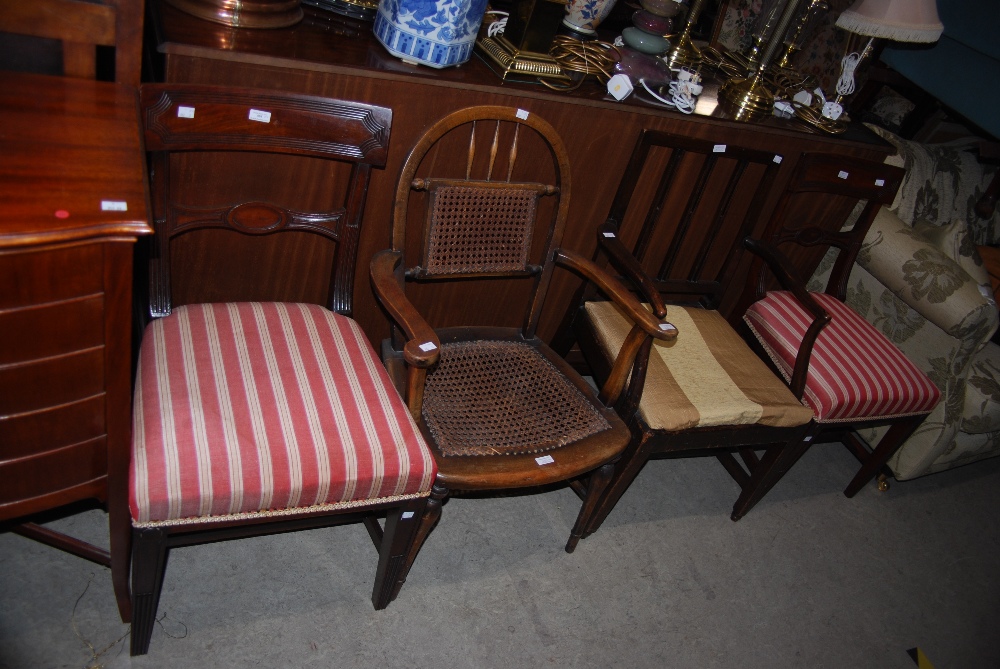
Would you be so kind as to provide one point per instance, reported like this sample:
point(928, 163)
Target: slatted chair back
point(82, 26)
point(183, 119)
point(672, 205)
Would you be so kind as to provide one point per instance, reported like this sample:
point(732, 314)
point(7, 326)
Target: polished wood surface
point(338, 57)
point(72, 201)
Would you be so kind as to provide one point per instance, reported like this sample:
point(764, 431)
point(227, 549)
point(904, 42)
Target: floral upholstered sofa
point(920, 280)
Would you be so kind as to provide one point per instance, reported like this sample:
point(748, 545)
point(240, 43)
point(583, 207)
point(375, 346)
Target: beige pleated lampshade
point(899, 20)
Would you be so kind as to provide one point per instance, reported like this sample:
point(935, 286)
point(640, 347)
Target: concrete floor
point(807, 579)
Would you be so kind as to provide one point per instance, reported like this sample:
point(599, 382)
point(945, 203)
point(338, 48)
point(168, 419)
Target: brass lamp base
point(746, 99)
point(685, 54)
point(244, 13)
point(508, 60)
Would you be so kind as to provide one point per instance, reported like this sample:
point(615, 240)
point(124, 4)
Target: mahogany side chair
point(82, 26)
point(254, 418)
point(707, 392)
point(498, 407)
point(837, 363)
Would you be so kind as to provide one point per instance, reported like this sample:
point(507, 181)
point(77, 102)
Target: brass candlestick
point(686, 54)
point(813, 11)
point(747, 98)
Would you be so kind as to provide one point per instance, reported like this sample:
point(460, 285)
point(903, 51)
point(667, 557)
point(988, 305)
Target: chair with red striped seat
point(835, 361)
point(254, 418)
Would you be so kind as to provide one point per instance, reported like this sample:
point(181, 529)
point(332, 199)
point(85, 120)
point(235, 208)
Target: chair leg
point(775, 464)
point(401, 527)
point(120, 525)
point(633, 459)
point(596, 485)
point(149, 557)
point(889, 444)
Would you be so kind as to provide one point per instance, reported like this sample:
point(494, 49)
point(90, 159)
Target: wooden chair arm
point(423, 348)
point(618, 293)
point(607, 237)
point(781, 267)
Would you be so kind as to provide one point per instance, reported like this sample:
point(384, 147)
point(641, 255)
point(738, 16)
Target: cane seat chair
point(837, 363)
point(498, 407)
point(674, 232)
point(81, 26)
point(254, 418)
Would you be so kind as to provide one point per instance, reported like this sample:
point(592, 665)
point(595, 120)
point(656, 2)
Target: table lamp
point(900, 20)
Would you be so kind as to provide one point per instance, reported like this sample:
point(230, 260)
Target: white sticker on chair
point(428, 346)
point(667, 326)
point(778, 158)
point(185, 112)
point(407, 514)
point(545, 460)
point(522, 114)
point(258, 115)
point(808, 439)
point(880, 182)
point(842, 174)
point(719, 148)
point(114, 205)
point(609, 234)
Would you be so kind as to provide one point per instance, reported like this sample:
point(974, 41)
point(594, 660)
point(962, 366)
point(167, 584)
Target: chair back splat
point(262, 417)
point(82, 26)
point(499, 408)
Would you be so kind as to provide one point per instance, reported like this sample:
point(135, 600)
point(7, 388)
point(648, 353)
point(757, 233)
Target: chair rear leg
point(149, 558)
point(597, 483)
point(889, 444)
point(401, 528)
point(775, 464)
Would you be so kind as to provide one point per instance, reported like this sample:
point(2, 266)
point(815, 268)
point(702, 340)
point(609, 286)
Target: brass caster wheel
point(883, 483)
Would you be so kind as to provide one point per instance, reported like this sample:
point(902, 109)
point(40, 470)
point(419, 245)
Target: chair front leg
point(596, 485)
point(777, 460)
point(887, 446)
point(149, 557)
point(401, 529)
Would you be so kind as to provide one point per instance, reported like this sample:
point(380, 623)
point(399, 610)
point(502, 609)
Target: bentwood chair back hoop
point(82, 26)
point(262, 417)
point(674, 233)
point(499, 408)
point(835, 361)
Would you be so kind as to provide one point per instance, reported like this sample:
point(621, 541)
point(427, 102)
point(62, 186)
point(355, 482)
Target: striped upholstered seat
point(707, 377)
point(855, 372)
point(266, 409)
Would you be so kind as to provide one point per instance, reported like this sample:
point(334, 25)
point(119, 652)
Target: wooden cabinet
point(72, 201)
point(339, 58)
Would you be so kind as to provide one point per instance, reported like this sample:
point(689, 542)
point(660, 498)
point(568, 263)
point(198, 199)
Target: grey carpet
point(807, 579)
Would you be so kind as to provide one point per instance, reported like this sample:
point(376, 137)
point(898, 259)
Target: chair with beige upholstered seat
point(707, 392)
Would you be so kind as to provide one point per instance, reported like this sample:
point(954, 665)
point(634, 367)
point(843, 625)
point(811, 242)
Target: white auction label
point(258, 115)
point(114, 205)
point(185, 112)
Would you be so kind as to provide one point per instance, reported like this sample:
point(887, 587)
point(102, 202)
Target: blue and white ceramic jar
point(438, 33)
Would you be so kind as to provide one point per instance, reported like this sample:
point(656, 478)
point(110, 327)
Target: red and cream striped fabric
point(247, 409)
point(854, 371)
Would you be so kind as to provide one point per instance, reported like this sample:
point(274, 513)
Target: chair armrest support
point(423, 348)
point(618, 293)
point(780, 266)
point(607, 237)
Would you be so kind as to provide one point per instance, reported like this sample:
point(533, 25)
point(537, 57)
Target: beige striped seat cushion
point(707, 377)
point(258, 409)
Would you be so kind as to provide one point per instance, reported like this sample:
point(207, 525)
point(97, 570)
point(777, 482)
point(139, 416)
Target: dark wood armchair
point(706, 392)
point(499, 408)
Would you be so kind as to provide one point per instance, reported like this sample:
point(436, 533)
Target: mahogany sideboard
point(338, 57)
point(72, 202)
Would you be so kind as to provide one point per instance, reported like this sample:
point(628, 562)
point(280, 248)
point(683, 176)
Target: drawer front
point(50, 275)
point(52, 428)
point(52, 478)
point(51, 329)
point(49, 382)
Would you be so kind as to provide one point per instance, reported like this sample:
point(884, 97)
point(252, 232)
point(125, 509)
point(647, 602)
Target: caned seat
point(252, 418)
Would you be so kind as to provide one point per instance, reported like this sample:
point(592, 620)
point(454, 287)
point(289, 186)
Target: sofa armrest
point(927, 280)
